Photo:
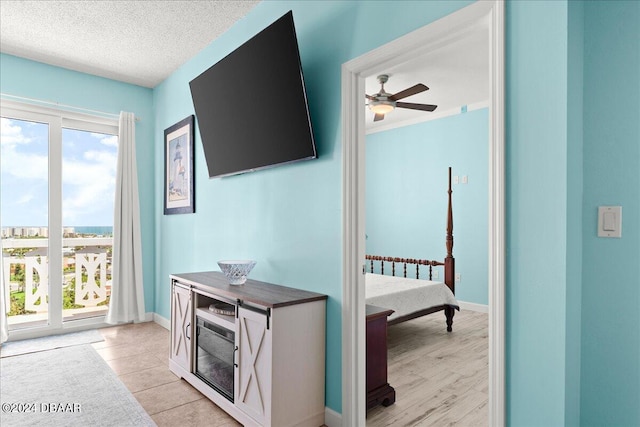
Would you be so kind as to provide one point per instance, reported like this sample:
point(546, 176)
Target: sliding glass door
point(88, 189)
point(24, 198)
point(57, 182)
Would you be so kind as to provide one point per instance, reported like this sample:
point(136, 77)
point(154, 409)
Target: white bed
point(411, 298)
point(405, 295)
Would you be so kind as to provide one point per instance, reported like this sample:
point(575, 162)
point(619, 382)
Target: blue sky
point(88, 177)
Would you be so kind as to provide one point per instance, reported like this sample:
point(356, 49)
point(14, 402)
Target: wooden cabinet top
point(253, 291)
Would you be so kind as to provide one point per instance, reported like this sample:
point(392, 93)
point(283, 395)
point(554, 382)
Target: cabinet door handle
point(234, 357)
point(186, 331)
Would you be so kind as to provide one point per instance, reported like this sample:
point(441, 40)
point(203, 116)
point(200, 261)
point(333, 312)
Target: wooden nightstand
point(379, 392)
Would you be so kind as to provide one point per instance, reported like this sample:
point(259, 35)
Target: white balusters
point(91, 260)
point(36, 280)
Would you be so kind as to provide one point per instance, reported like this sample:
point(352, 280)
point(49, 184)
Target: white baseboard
point(472, 306)
point(162, 321)
point(332, 418)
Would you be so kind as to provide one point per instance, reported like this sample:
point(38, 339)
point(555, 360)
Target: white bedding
point(404, 295)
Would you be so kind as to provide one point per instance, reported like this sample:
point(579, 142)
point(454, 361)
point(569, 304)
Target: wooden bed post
point(449, 261)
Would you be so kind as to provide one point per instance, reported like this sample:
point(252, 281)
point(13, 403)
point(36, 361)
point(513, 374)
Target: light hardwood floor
point(440, 378)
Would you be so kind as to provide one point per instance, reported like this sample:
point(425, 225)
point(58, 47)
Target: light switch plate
point(610, 221)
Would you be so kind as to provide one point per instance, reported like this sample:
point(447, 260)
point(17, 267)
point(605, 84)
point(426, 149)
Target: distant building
point(9, 232)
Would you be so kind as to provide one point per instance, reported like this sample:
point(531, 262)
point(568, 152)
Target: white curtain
point(4, 326)
point(127, 293)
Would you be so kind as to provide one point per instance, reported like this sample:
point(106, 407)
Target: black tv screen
point(251, 106)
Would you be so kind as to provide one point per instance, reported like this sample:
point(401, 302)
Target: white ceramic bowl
point(236, 270)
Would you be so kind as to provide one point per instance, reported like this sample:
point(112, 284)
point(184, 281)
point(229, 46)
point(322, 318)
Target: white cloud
point(93, 200)
point(15, 162)
point(88, 186)
point(108, 140)
point(26, 198)
point(104, 158)
point(96, 166)
point(23, 165)
point(11, 133)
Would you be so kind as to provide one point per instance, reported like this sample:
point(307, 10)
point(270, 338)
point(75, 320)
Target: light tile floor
point(419, 350)
point(139, 355)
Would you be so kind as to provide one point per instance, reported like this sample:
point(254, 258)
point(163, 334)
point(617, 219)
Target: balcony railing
point(86, 273)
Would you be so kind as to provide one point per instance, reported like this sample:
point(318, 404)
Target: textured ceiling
point(140, 42)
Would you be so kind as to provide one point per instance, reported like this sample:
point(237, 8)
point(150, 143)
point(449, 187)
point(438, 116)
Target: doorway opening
point(420, 42)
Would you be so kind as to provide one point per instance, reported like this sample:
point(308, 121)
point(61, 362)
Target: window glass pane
point(24, 194)
point(89, 162)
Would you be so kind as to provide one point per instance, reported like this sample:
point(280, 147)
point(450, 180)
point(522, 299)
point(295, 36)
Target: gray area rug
point(71, 386)
point(14, 348)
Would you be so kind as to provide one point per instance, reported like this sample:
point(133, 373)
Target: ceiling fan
point(383, 102)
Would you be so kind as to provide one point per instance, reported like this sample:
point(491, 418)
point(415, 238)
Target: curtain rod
point(61, 106)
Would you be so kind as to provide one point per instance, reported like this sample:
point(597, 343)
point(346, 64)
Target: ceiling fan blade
point(378, 117)
point(408, 92)
point(370, 97)
point(412, 106)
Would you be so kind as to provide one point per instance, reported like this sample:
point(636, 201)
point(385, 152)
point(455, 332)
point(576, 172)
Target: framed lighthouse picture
point(178, 168)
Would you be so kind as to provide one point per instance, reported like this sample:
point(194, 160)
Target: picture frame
point(179, 182)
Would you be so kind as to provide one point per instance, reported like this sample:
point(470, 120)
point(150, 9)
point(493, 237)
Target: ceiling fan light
point(381, 107)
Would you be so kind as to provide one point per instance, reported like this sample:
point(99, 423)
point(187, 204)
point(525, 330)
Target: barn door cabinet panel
point(254, 374)
point(278, 354)
point(181, 322)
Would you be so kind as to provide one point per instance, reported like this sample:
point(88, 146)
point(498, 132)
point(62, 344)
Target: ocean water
point(98, 230)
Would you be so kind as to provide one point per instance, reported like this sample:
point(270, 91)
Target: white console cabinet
point(263, 359)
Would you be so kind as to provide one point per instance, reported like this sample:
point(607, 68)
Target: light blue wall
point(543, 182)
point(610, 387)
point(573, 143)
point(574, 212)
point(21, 77)
point(536, 195)
point(287, 218)
point(406, 195)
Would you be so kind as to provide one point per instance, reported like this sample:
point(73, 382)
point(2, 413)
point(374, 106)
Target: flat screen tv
point(251, 106)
